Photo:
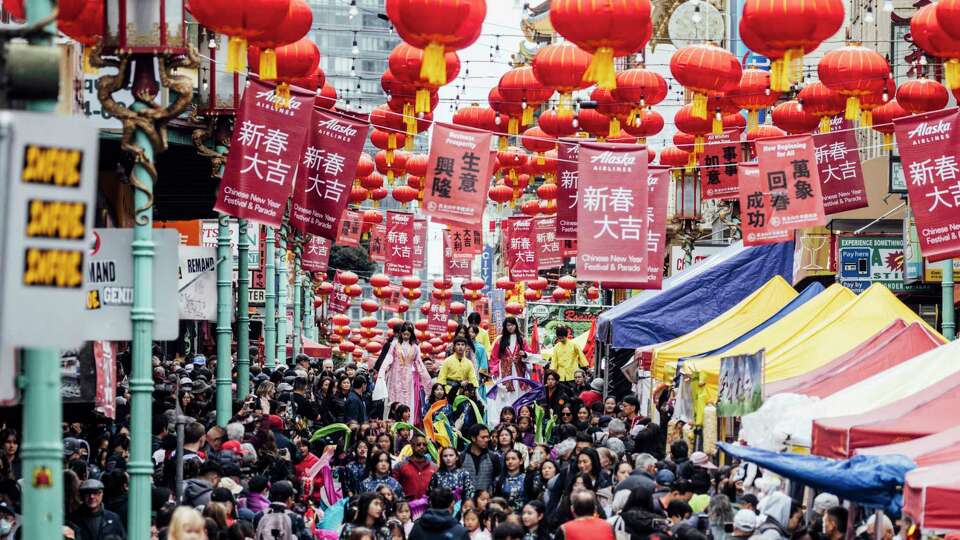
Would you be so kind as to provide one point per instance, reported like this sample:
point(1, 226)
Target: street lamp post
point(949, 317)
point(297, 301)
point(243, 313)
point(283, 278)
point(270, 297)
point(224, 332)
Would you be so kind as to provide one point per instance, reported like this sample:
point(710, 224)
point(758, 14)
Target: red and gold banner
point(548, 246)
point(339, 299)
point(316, 254)
point(350, 227)
point(520, 237)
point(658, 183)
point(567, 180)
point(928, 154)
point(399, 244)
point(419, 243)
point(437, 319)
point(612, 214)
point(466, 242)
point(718, 165)
point(454, 266)
point(458, 172)
point(838, 163)
point(326, 172)
point(264, 152)
point(378, 243)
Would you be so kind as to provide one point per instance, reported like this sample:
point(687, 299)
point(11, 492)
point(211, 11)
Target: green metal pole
point(297, 303)
point(243, 314)
point(282, 277)
point(41, 449)
point(224, 337)
point(308, 318)
point(949, 317)
point(140, 467)
point(270, 315)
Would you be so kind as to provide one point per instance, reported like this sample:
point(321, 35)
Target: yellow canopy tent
point(736, 321)
point(812, 343)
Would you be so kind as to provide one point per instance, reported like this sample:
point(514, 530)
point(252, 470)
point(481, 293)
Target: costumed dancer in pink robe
point(507, 359)
point(403, 371)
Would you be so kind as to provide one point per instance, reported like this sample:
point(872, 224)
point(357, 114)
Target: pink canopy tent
point(914, 416)
point(935, 449)
point(894, 344)
point(931, 496)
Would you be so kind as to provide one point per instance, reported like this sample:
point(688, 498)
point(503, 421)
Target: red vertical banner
point(339, 299)
point(567, 180)
point(612, 214)
point(457, 174)
point(105, 360)
point(316, 254)
point(419, 243)
point(378, 243)
point(549, 255)
point(437, 319)
point(264, 152)
point(326, 172)
point(755, 212)
point(454, 265)
point(789, 184)
point(392, 296)
point(718, 166)
point(349, 227)
point(520, 236)
point(466, 241)
point(838, 164)
point(399, 245)
point(928, 154)
point(568, 248)
point(658, 184)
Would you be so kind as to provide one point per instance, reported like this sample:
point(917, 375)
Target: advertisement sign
point(678, 258)
point(498, 311)
point(568, 180)
point(718, 165)
point(399, 260)
point(339, 300)
point(841, 176)
point(264, 153)
point(105, 362)
point(350, 227)
point(486, 268)
point(740, 389)
point(197, 283)
point(316, 255)
point(437, 319)
point(520, 239)
point(458, 172)
point(865, 260)
point(109, 285)
point(326, 172)
point(933, 272)
point(612, 213)
point(928, 154)
point(453, 266)
point(209, 232)
point(377, 245)
point(549, 254)
point(912, 259)
point(465, 241)
point(576, 317)
point(658, 185)
point(47, 192)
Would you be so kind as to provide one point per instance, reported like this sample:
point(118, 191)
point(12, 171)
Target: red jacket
point(414, 477)
point(302, 469)
point(587, 528)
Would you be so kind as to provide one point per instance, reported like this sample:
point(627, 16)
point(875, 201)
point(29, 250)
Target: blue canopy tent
point(873, 481)
point(695, 296)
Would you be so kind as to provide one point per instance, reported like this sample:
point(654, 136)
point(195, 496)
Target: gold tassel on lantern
point(527, 117)
point(540, 159)
point(268, 65)
point(952, 71)
point(236, 55)
point(434, 65)
point(753, 119)
point(423, 101)
point(699, 109)
point(390, 177)
point(776, 73)
point(793, 67)
point(513, 126)
point(614, 128)
point(852, 111)
point(283, 96)
point(691, 162)
point(632, 117)
point(408, 141)
point(565, 104)
point(824, 124)
point(717, 124)
point(87, 66)
point(698, 145)
point(601, 69)
point(710, 430)
point(887, 141)
point(391, 146)
point(866, 118)
point(502, 142)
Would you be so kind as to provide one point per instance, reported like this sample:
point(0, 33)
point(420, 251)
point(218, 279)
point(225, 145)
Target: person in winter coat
point(438, 523)
point(637, 520)
point(197, 491)
point(415, 474)
point(92, 521)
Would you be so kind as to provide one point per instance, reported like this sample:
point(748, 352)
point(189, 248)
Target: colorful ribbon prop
point(476, 410)
point(430, 447)
point(541, 432)
point(492, 392)
point(332, 428)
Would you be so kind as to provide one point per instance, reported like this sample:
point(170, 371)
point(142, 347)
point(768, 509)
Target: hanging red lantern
point(292, 62)
point(417, 164)
point(411, 282)
point(325, 288)
point(593, 293)
point(705, 70)
point(928, 34)
point(530, 207)
point(672, 156)
point(567, 282)
point(761, 132)
point(689, 123)
point(501, 194)
point(474, 284)
point(387, 139)
point(327, 98)
point(604, 28)
point(922, 95)
point(358, 194)
point(642, 88)
point(393, 169)
point(348, 278)
point(557, 125)
point(594, 122)
point(458, 308)
point(406, 61)
point(538, 141)
point(504, 283)
point(514, 308)
point(477, 117)
point(561, 68)
point(437, 27)
point(372, 181)
point(294, 26)
point(874, 99)
point(443, 283)
point(734, 122)
point(531, 295)
point(791, 117)
point(365, 166)
point(613, 107)
point(559, 294)
point(820, 101)
point(646, 123)
point(241, 20)
point(520, 86)
point(379, 281)
point(883, 117)
point(753, 94)
point(86, 28)
point(853, 71)
point(405, 194)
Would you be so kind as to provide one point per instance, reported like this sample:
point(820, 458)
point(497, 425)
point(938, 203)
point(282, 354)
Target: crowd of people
point(406, 449)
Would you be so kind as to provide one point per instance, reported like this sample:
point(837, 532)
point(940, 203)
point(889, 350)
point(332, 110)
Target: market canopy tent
point(753, 310)
point(896, 343)
point(942, 447)
point(923, 413)
point(312, 348)
point(694, 296)
point(931, 497)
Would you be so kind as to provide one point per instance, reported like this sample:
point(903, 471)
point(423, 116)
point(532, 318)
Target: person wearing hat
point(92, 521)
point(744, 523)
point(9, 521)
point(594, 394)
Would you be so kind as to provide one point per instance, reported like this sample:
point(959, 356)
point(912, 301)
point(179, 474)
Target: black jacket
point(355, 409)
point(96, 525)
point(438, 525)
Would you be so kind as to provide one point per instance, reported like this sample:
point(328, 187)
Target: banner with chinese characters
point(658, 184)
point(264, 152)
point(316, 255)
point(454, 266)
point(349, 227)
point(785, 195)
point(466, 242)
point(377, 248)
point(928, 154)
point(339, 299)
point(612, 214)
point(458, 171)
point(548, 246)
point(399, 244)
point(520, 236)
point(756, 211)
point(718, 166)
point(326, 172)
point(567, 180)
point(838, 163)
point(392, 296)
point(419, 242)
point(437, 319)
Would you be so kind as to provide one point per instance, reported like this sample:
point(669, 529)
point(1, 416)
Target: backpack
point(275, 525)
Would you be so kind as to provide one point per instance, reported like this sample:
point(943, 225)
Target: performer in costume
point(508, 359)
point(403, 370)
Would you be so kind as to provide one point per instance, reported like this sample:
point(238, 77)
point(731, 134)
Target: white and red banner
point(928, 153)
point(718, 165)
point(264, 153)
point(520, 237)
point(377, 247)
point(105, 360)
point(838, 163)
point(316, 255)
point(454, 266)
point(466, 241)
point(658, 183)
point(350, 227)
point(458, 172)
point(548, 246)
point(400, 233)
point(419, 242)
point(392, 296)
point(437, 319)
point(339, 299)
point(567, 182)
point(612, 214)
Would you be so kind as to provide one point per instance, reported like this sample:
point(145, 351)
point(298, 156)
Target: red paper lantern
point(530, 207)
point(514, 308)
point(379, 281)
point(561, 67)
point(567, 282)
point(537, 141)
point(559, 295)
point(325, 288)
point(392, 168)
point(242, 20)
point(294, 26)
point(791, 117)
point(474, 284)
point(646, 123)
point(406, 63)
point(477, 117)
point(348, 278)
point(594, 122)
point(940, 40)
point(340, 320)
point(458, 308)
point(853, 71)
point(922, 95)
point(642, 88)
point(501, 194)
point(369, 322)
point(358, 194)
point(672, 156)
point(705, 69)
point(86, 28)
point(520, 86)
point(411, 282)
point(593, 293)
point(734, 121)
point(417, 164)
point(437, 26)
point(293, 62)
point(504, 283)
point(365, 166)
point(753, 94)
point(820, 101)
point(556, 124)
point(604, 28)
point(372, 181)
point(405, 194)
point(874, 99)
point(327, 97)
point(688, 123)
point(353, 291)
point(883, 117)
